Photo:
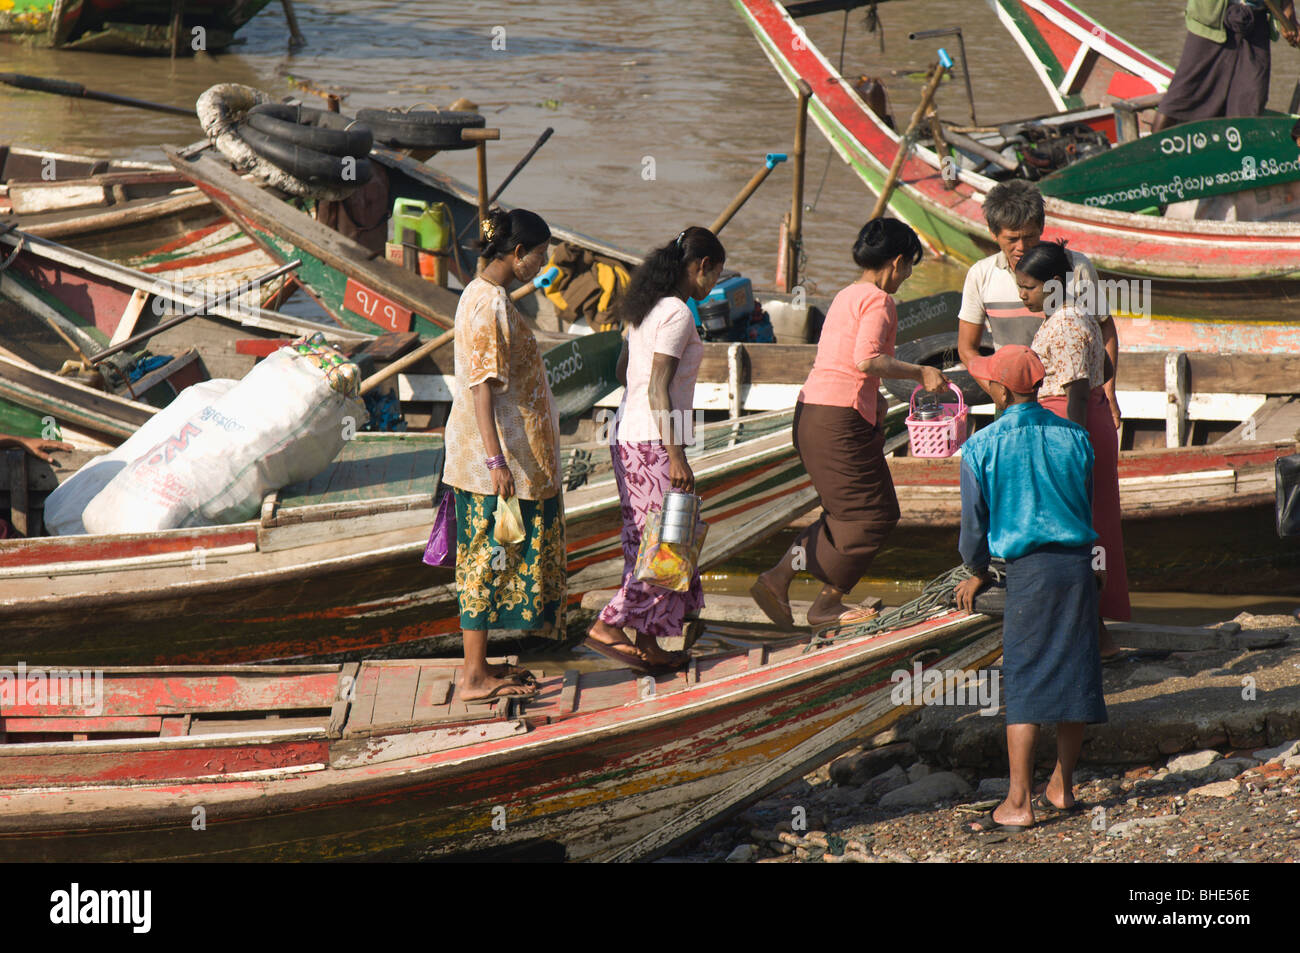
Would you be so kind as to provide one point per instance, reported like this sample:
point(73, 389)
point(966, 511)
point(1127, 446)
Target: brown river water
point(621, 82)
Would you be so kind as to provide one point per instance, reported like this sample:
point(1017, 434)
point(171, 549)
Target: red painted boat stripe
point(189, 238)
point(176, 264)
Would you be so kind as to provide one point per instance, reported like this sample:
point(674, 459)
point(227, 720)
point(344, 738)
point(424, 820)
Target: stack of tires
point(314, 153)
point(430, 129)
point(327, 151)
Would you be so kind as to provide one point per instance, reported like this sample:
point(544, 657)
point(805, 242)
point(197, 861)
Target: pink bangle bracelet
point(497, 463)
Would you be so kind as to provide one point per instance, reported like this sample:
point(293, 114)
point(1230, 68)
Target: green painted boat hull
point(1191, 161)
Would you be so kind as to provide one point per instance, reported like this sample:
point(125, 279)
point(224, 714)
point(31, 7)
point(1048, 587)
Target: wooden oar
point(770, 162)
point(402, 363)
point(61, 87)
point(905, 142)
point(191, 312)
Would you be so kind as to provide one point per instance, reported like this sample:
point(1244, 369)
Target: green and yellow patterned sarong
point(517, 586)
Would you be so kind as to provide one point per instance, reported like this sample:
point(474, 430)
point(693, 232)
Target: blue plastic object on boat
point(736, 291)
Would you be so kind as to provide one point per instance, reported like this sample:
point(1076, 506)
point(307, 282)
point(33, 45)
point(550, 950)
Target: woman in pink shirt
point(658, 365)
point(839, 435)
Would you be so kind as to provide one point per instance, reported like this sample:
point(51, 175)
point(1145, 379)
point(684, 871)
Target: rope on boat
point(935, 598)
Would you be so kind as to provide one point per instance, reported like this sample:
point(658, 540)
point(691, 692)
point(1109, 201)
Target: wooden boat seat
point(186, 700)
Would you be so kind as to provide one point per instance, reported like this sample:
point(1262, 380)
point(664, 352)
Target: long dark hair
point(1047, 261)
point(659, 275)
point(503, 232)
point(882, 240)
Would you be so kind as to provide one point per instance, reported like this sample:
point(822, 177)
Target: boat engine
point(1043, 149)
point(730, 313)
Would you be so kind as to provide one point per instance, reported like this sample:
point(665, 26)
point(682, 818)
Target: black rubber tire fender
point(426, 129)
point(315, 168)
point(937, 350)
point(316, 129)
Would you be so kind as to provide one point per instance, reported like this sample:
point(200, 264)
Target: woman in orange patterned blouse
point(502, 441)
point(1069, 344)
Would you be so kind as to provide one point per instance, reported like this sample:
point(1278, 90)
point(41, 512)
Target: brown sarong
point(845, 457)
point(1221, 79)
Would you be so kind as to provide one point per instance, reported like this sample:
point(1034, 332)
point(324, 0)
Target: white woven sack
point(281, 424)
point(65, 505)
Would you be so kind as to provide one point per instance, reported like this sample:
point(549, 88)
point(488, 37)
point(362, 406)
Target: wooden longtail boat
point(346, 278)
point(96, 204)
point(92, 299)
point(1215, 285)
point(124, 26)
point(1079, 61)
point(334, 566)
point(381, 761)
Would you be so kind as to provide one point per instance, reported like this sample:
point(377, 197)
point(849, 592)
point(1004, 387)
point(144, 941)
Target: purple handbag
point(441, 550)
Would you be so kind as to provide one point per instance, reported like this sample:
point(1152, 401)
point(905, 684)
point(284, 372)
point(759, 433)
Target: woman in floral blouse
point(1069, 344)
point(502, 441)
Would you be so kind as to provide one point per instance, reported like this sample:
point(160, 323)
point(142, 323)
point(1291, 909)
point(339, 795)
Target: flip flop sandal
point(988, 825)
point(522, 675)
point(610, 651)
point(669, 668)
point(776, 610)
point(500, 692)
point(1041, 803)
point(855, 616)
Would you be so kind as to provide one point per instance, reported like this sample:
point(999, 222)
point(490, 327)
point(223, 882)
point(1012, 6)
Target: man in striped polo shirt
point(1016, 218)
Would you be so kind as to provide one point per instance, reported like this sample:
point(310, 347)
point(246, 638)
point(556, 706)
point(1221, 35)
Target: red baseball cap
point(1015, 366)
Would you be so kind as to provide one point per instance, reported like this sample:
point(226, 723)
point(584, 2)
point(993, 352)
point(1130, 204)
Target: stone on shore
point(859, 767)
point(1217, 789)
point(883, 784)
point(940, 786)
point(1279, 753)
point(1194, 761)
point(742, 854)
point(1128, 828)
point(993, 787)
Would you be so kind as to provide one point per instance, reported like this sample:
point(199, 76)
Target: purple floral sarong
point(641, 470)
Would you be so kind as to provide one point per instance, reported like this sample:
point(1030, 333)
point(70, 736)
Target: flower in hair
point(489, 228)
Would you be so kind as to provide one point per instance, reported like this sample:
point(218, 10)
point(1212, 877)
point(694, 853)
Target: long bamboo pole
point(905, 141)
point(795, 233)
point(402, 363)
point(770, 162)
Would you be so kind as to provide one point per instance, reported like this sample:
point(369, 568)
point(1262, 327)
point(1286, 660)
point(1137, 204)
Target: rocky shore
point(1200, 762)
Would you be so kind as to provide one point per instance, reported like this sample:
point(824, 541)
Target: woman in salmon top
point(838, 433)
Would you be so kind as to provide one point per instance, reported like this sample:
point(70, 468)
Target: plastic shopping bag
point(667, 565)
point(441, 548)
point(509, 522)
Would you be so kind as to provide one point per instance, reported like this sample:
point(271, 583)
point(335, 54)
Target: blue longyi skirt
point(1051, 663)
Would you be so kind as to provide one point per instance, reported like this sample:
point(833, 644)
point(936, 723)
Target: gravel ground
point(885, 804)
point(1144, 814)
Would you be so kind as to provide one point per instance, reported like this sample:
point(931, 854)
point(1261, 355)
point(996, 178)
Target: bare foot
point(1022, 817)
point(649, 648)
point(492, 687)
point(614, 638)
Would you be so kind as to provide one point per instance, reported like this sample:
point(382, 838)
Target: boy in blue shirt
point(1026, 497)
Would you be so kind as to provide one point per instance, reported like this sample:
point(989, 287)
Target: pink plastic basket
point(942, 436)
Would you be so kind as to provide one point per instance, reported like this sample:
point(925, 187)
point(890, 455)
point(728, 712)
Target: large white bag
point(284, 422)
point(65, 505)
